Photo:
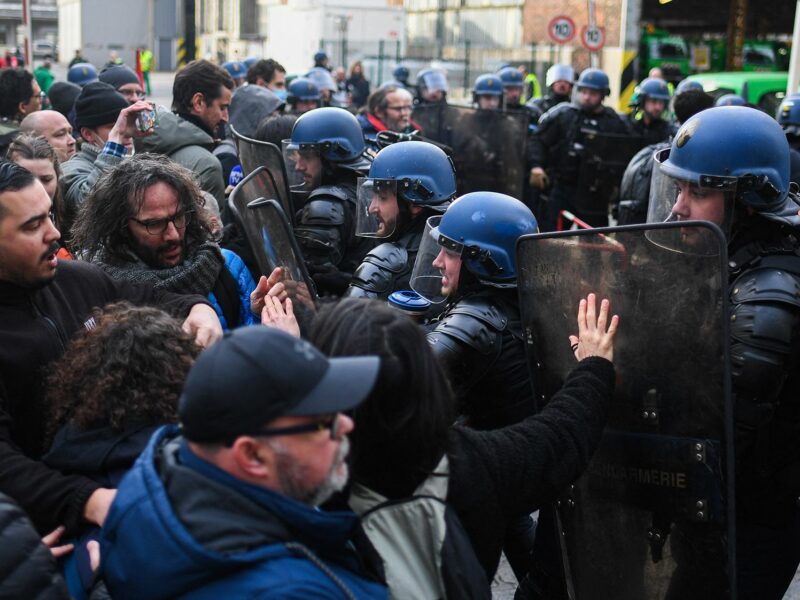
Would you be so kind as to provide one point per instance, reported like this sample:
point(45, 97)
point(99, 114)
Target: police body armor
point(634, 192)
point(765, 354)
point(658, 131)
point(651, 518)
point(539, 106)
point(325, 231)
point(479, 341)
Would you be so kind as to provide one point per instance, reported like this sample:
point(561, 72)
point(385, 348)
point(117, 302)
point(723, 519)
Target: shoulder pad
point(557, 110)
point(380, 268)
point(331, 191)
point(322, 211)
point(474, 322)
point(766, 285)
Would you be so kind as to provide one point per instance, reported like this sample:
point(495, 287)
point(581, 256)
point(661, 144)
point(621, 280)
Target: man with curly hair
point(43, 303)
point(145, 221)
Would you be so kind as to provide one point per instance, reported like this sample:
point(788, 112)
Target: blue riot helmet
point(654, 88)
point(688, 84)
point(302, 90)
point(330, 138)
point(788, 115)
point(432, 85)
point(482, 228)
point(82, 74)
point(401, 74)
point(487, 92)
point(730, 100)
point(320, 57)
point(236, 69)
point(511, 77)
point(734, 154)
point(403, 174)
point(594, 79)
point(322, 78)
point(559, 73)
point(250, 61)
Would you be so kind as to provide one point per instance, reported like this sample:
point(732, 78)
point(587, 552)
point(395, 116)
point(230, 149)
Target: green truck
point(762, 89)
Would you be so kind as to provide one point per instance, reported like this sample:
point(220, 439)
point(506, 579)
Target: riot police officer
point(302, 95)
point(730, 166)
point(557, 148)
point(634, 192)
point(789, 118)
point(431, 87)
point(730, 100)
point(487, 92)
point(646, 120)
point(513, 82)
point(401, 75)
point(559, 80)
point(237, 70)
point(325, 156)
point(408, 182)
point(467, 258)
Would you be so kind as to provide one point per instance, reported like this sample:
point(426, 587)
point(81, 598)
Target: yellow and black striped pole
point(627, 83)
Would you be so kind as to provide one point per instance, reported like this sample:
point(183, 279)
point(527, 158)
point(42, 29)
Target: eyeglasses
point(133, 95)
point(403, 108)
point(330, 423)
point(158, 226)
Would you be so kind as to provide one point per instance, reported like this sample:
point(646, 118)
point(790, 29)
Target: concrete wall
point(69, 29)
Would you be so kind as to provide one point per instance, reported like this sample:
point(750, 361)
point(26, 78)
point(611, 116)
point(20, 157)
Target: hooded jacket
point(189, 146)
point(182, 528)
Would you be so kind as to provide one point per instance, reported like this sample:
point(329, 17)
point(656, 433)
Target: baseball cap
point(256, 374)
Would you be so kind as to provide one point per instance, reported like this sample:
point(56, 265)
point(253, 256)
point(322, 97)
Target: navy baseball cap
point(256, 374)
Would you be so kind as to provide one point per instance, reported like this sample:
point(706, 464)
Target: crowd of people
point(368, 417)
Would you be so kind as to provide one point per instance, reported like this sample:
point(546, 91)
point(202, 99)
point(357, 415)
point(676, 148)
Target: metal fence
point(462, 63)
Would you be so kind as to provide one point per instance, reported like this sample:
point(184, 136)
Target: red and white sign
point(561, 29)
point(593, 37)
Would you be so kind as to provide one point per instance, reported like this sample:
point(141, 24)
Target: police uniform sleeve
point(379, 274)
point(547, 135)
point(322, 230)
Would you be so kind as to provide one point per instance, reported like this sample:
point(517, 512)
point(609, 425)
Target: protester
point(44, 303)
point(125, 80)
point(388, 109)
point(357, 85)
point(201, 95)
point(62, 96)
point(145, 222)
point(269, 74)
point(44, 76)
point(20, 95)
point(54, 127)
point(37, 156)
point(226, 506)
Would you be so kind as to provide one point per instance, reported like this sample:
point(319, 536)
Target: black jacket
point(35, 326)
point(27, 568)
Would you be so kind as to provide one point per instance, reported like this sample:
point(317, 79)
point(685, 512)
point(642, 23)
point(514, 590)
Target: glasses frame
point(164, 223)
point(329, 423)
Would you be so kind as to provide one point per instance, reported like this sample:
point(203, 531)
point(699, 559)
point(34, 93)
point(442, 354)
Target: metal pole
point(794, 62)
point(595, 60)
point(466, 65)
point(380, 61)
point(26, 23)
point(190, 31)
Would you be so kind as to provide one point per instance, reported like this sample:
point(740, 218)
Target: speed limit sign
point(561, 29)
point(593, 37)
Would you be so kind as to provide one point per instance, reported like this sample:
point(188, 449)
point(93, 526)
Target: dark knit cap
point(98, 104)
point(118, 75)
point(62, 96)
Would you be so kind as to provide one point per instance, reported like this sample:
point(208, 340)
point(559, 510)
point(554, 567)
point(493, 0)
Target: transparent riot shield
point(652, 516)
point(270, 235)
point(603, 158)
point(254, 154)
point(489, 146)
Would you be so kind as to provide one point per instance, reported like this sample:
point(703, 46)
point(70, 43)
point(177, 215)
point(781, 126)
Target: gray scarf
point(197, 274)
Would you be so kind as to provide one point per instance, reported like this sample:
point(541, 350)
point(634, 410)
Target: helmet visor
point(426, 279)
point(303, 165)
point(435, 81)
point(680, 195)
point(378, 208)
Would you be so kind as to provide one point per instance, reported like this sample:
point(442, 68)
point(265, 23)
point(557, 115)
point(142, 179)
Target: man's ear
point(21, 108)
point(198, 103)
point(253, 459)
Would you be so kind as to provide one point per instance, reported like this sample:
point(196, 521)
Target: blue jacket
point(245, 285)
point(182, 528)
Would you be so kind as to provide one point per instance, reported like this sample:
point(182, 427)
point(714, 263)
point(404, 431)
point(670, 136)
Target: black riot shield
point(254, 154)
point(652, 516)
point(488, 146)
point(271, 238)
point(603, 158)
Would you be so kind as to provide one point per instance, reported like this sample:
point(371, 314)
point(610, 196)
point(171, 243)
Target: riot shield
point(254, 154)
point(652, 516)
point(270, 235)
point(489, 146)
point(603, 158)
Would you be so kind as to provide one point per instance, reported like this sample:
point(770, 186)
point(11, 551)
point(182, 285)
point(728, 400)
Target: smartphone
point(147, 119)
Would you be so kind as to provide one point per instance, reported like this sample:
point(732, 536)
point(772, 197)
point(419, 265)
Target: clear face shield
point(378, 209)
point(438, 264)
point(435, 81)
point(303, 166)
point(680, 195)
